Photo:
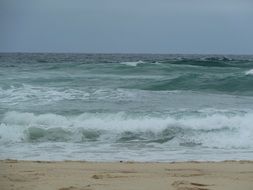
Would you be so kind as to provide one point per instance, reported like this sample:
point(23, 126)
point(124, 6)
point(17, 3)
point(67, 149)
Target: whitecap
point(211, 130)
point(249, 72)
point(133, 63)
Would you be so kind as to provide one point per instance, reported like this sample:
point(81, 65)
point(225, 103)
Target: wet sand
point(74, 175)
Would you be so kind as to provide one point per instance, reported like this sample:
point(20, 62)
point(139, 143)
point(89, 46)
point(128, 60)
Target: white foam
point(136, 63)
point(24, 93)
point(249, 72)
point(239, 133)
point(221, 136)
point(47, 95)
point(133, 63)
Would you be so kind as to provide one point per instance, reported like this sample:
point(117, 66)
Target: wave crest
point(133, 63)
point(249, 72)
point(210, 130)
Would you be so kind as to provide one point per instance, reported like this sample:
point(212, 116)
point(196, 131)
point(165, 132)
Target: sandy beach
point(75, 175)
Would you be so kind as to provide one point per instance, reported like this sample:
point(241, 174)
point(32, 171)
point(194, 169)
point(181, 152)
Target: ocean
point(129, 107)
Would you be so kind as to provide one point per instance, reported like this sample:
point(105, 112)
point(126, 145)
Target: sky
point(127, 26)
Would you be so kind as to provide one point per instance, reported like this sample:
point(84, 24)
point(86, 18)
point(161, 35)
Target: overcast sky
point(127, 26)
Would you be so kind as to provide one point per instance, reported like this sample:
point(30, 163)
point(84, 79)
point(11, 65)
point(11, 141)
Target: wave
point(140, 62)
point(204, 62)
point(236, 83)
point(211, 62)
point(133, 63)
point(60, 62)
point(249, 72)
point(46, 95)
point(23, 93)
point(214, 130)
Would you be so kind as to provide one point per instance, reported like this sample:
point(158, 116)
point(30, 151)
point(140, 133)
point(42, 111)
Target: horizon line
point(123, 53)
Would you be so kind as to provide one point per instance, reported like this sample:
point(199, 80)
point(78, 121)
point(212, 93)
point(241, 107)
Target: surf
point(209, 130)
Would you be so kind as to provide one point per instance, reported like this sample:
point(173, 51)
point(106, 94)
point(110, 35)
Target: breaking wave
point(216, 130)
point(133, 64)
point(249, 72)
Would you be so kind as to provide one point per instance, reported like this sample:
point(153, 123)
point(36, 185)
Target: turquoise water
point(126, 107)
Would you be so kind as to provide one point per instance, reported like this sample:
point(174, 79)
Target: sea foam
point(212, 130)
point(249, 72)
point(133, 63)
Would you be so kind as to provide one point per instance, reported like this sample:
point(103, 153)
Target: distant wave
point(58, 61)
point(203, 62)
point(232, 84)
point(133, 63)
point(180, 61)
point(212, 130)
point(249, 72)
point(211, 62)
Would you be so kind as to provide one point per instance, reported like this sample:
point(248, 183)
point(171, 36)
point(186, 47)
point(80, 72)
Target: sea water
point(111, 107)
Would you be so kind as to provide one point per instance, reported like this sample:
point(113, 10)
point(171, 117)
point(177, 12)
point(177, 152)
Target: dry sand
point(68, 175)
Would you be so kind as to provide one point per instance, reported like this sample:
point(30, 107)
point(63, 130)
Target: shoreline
point(9, 160)
point(129, 175)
